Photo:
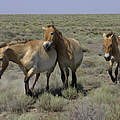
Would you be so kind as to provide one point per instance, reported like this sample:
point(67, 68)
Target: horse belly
point(78, 56)
point(47, 62)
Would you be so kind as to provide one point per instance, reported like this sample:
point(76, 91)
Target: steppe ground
point(97, 97)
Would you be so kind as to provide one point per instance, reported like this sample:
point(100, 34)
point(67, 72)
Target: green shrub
point(71, 93)
point(13, 102)
point(49, 102)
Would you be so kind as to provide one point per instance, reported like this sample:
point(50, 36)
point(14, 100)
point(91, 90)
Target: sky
point(59, 6)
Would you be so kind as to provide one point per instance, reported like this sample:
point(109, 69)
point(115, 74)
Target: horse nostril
point(47, 45)
point(107, 58)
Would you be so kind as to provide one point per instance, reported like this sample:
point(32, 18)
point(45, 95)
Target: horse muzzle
point(47, 45)
point(107, 58)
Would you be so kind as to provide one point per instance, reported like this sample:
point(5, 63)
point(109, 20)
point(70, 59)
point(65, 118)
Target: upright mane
point(58, 33)
point(3, 45)
point(109, 34)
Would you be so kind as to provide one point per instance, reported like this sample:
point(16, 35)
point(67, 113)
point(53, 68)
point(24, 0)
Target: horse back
point(76, 51)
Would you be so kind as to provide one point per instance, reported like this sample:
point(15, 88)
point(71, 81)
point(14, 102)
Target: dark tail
point(3, 45)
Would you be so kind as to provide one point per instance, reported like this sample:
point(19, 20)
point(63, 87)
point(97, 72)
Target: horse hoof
point(29, 93)
point(47, 88)
point(72, 85)
point(118, 82)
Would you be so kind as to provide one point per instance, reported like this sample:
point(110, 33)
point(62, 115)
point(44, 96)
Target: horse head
point(108, 45)
point(51, 35)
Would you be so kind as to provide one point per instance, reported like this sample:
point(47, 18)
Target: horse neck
point(59, 43)
point(116, 48)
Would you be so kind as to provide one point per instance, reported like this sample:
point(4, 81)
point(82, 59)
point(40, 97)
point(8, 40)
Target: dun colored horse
point(32, 59)
point(112, 53)
point(69, 53)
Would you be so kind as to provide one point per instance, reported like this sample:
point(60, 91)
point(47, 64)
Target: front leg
point(116, 73)
point(110, 70)
point(36, 79)
point(29, 74)
point(48, 76)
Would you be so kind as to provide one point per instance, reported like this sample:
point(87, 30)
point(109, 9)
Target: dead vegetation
point(97, 97)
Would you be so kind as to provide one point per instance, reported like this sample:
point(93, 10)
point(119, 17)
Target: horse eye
point(52, 33)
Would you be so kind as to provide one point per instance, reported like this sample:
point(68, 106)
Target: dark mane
point(109, 34)
point(59, 34)
point(50, 26)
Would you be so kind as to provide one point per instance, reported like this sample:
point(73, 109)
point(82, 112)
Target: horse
point(32, 58)
point(112, 53)
point(69, 53)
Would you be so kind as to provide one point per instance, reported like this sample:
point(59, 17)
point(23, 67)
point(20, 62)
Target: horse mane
point(109, 34)
point(58, 33)
point(14, 42)
point(3, 45)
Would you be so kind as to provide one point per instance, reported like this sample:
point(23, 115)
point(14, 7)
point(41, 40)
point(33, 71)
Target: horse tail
point(3, 45)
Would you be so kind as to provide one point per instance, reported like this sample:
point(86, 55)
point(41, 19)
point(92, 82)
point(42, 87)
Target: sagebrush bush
point(71, 93)
point(49, 102)
point(13, 102)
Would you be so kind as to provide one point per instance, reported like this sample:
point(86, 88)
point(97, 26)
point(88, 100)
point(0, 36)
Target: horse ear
point(111, 36)
point(44, 28)
point(104, 35)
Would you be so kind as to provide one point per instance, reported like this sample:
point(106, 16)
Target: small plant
point(10, 101)
point(70, 93)
point(52, 103)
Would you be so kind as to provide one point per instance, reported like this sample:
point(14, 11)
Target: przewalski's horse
point(112, 53)
point(32, 59)
point(69, 53)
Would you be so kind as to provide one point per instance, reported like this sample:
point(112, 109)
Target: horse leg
point(36, 79)
point(116, 73)
point(63, 75)
point(29, 74)
point(48, 76)
point(66, 74)
point(110, 70)
point(27, 91)
point(74, 79)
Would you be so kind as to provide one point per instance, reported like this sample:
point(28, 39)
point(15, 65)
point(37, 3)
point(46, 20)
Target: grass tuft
point(51, 103)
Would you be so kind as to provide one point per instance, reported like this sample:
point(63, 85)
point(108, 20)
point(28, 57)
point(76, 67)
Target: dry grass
point(14, 103)
point(96, 93)
point(51, 103)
